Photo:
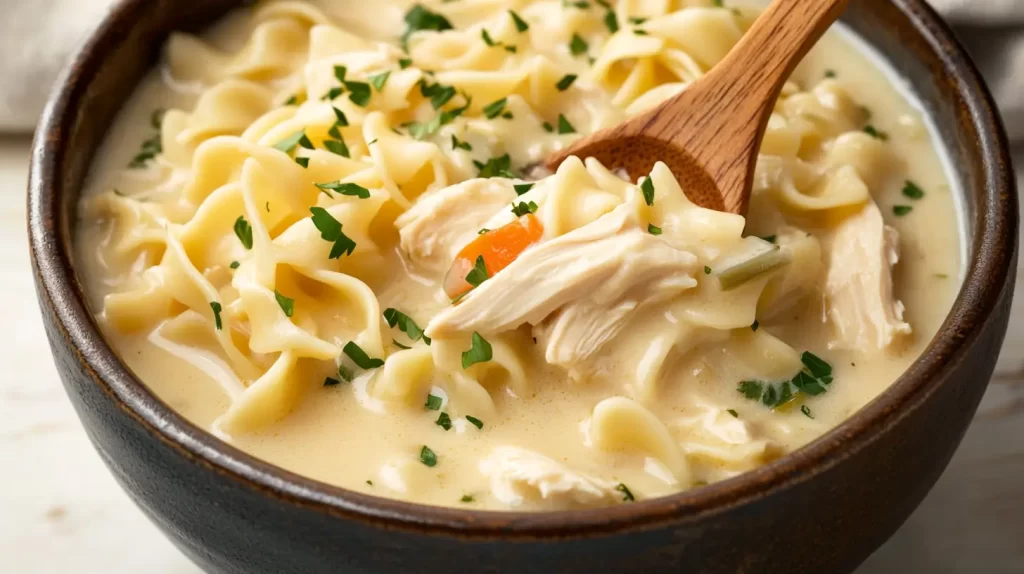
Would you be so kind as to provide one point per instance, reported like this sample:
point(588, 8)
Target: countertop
point(60, 511)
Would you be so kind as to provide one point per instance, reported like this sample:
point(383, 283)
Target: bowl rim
point(992, 254)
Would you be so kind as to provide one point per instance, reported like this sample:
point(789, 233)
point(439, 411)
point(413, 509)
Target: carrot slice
point(497, 248)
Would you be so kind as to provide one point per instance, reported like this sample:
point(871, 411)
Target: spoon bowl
point(709, 134)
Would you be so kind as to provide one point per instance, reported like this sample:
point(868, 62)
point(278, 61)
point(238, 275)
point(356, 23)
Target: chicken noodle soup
point(330, 251)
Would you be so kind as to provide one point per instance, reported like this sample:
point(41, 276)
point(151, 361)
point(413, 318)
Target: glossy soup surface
point(608, 340)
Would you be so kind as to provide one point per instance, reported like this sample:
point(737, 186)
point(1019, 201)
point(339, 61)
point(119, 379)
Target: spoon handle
point(721, 118)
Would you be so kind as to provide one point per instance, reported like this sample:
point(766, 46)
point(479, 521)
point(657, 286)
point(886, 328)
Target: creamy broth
point(156, 253)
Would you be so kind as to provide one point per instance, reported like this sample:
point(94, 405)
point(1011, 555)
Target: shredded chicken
point(437, 226)
point(610, 263)
point(858, 290)
point(520, 476)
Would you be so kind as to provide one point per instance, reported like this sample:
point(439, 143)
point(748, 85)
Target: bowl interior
point(906, 32)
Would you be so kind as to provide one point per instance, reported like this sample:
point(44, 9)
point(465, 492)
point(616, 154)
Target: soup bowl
point(823, 508)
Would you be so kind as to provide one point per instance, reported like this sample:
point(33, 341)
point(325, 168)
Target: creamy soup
point(331, 251)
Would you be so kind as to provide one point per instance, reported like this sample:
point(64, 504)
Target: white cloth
point(36, 37)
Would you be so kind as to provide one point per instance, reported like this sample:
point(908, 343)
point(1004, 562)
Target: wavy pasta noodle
point(333, 249)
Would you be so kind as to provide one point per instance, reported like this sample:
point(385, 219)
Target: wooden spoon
point(709, 135)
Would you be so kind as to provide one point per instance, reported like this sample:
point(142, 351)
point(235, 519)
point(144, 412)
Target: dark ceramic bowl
point(824, 508)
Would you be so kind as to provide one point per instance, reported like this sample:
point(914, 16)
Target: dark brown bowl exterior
point(824, 508)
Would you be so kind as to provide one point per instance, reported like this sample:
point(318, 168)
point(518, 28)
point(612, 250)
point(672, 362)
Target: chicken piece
point(521, 476)
point(858, 290)
point(437, 226)
point(610, 262)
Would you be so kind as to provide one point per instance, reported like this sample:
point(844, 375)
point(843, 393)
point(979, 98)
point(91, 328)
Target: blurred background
point(60, 510)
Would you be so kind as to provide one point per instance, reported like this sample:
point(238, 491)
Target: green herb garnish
point(243, 231)
point(444, 421)
point(611, 21)
point(807, 411)
point(350, 189)
point(337, 147)
point(707, 270)
point(521, 24)
point(216, 314)
point(578, 45)
point(434, 403)
point(901, 210)
point(428, 457)
point(733, 413)
point(478, 274)
point(653, 230)
point(467, 498)
point(495, 108)
point(234, 265)
point(876, 133)
point(564, 127)
point(330, 230)
point(911, 190)
point(404, 63)
point(566, 81)
point(627, 496)
point(647, 187)
point(419, 18)
point(523, 208)
point(522, 188)
point(287, 304)
point(480, 352)
point(475, 422)
point(754, 326)
point(405, 324)
point(360, 358)
point(378, 80)
point(288, 144)
point(456, 144)
point(496, 167)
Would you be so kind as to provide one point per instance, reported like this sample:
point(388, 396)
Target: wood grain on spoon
point(709, 135)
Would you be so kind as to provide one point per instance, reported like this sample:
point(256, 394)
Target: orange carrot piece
point(499, 248)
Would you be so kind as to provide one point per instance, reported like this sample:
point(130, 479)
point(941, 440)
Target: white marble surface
point(60, 511)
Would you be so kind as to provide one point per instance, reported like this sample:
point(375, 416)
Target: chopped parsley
point(523, 208)
point(467, 498)
point(807, 411)
point(830, 74)
point(340, 119)
point(336, 147)
point(876, 133)
point(522, 188)
point(478, 274)
point(444, 421)
point(496, 167)
point(360, 358)
point(754, 326)
point(456, 144)
point(378, 80)
point(439, 95)
point(287, 304)
point(475, 422)
point(637, 20)
point(333, 93)
point(639, 32)
point(288, 144)
point(303, 161)
point(911, 190)
point(566, 81)
point(901, 210)
point(487, 38)
point(305, 142)
point(707, 270)
point(611, 21)
point(770, 238)
point(480, 352)
point(578, 45)
point(153, 146)
point(733, 413)
point(405, 324)
point(350, 189)
point(358, 92)
point(419, 18)
point(404, 63)
point(428, 457)
point(234, 265)
point(495, 108)
point(521, 24)
point(216, 314)
point(330, 230)
point(482, 231)
point(812, 380)
point(331, 382)
point(627, 496)
point(564, 127)
point(434, 403)
point(243, 231)
point(647, 187)
point(653, 230)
